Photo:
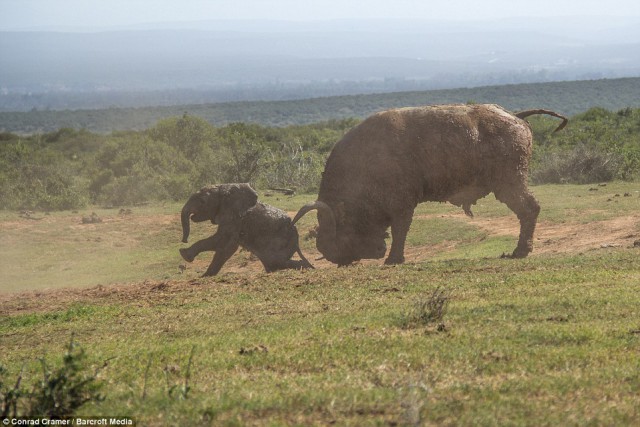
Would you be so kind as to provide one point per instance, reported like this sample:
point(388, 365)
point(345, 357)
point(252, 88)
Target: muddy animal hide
point(379, 172)
point(242, 221)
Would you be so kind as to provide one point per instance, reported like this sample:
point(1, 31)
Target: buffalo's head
point(345, 238)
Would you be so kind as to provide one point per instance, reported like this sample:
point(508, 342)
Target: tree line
point(567, 98)
point(70, 168)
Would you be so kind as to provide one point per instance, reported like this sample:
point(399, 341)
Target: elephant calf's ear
point(234, 202)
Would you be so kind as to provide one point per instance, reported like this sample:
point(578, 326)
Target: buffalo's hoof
point(184, 253)
point(394, 261)
point(520, 253)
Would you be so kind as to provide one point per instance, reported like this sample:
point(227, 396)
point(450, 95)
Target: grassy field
point(553, 339)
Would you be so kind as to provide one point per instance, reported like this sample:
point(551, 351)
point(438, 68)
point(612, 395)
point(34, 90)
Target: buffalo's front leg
point(400, 225)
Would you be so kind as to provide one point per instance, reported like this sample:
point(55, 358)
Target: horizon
point(33, 14)
point(75, 53)
point(292, 25)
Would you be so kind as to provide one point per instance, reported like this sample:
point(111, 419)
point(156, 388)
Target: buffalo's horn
point(329, 221)
point(320, 206)
point(326, 241)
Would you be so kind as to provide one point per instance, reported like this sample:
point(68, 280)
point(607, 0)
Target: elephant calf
point(265, 231)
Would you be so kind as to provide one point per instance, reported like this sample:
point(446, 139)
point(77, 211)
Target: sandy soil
point(550, 238)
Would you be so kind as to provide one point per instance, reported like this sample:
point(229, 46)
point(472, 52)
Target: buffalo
point(380, 170)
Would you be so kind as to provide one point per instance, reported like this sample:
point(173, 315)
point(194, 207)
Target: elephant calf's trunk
point(186, 226)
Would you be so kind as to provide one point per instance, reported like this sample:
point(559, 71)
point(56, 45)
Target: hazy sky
point(101, 13)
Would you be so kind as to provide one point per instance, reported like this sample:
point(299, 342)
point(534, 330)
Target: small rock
point(172, 369)
point(93, 219)
point(609, 245)
point(257, 349)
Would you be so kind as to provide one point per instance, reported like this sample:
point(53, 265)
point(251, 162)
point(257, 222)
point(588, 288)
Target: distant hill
point(245, 60)
point(565, 97)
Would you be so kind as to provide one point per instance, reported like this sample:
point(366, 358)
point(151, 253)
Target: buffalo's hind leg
point(527, 208)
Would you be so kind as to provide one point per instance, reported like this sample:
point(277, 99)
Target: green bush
point(581, 165)
point(68, 168)
point(597, 145)
point(293, 167)
point(39, 178)
point(9, 395)
point(60, 392)
point(137, 169)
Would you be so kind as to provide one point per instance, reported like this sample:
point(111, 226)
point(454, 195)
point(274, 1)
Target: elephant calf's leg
point(290, 264)
point(212, 243)
point(281, 260)
point(222, 255)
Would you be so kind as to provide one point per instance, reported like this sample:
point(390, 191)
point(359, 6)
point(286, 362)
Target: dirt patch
point(550, 238)
point(568, 238)
point(52, 300)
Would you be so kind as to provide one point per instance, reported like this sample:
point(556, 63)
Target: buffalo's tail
point(527, 113)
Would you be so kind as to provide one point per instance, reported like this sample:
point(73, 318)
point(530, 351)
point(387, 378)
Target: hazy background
point(66, 54)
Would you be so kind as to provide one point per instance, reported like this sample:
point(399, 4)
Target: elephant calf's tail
point(527, 113)
point(305, 262)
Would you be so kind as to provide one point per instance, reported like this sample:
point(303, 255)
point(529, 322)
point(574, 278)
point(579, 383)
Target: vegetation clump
point(428, 310)
point(60, 392)
point(70, 169)
point(597, 146)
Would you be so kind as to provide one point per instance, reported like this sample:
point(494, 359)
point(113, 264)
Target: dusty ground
point(549, 238)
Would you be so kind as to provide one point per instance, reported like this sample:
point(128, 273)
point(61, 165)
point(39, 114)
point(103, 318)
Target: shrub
point(9, 396)
point(60, 392)
point(293, 167)
point(41, 179)
point(63, 391)
point(133, 170)
point(427, 310)
point(581, 165)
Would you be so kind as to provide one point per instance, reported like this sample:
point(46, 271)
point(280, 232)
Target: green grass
point(552, 339)
point(563, 203)
point(542, 341)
